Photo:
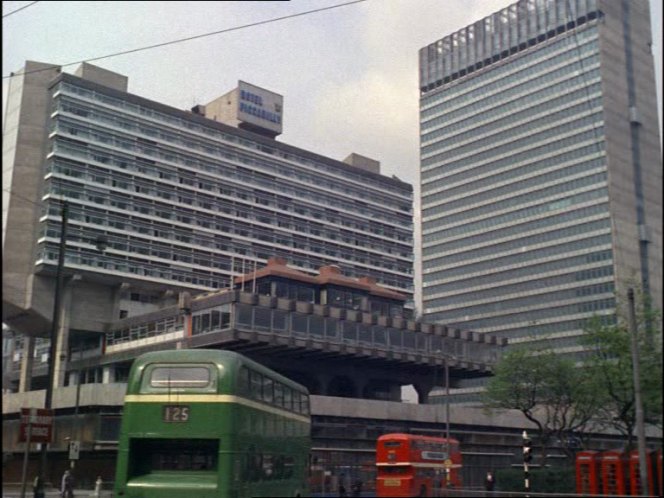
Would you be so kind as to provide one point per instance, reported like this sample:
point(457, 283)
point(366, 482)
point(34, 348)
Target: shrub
point(548, 480)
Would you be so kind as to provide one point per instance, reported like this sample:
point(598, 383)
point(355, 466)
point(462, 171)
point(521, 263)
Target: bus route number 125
point(176, 413)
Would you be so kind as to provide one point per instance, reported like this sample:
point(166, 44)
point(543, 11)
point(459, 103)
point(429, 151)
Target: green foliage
point(548, 480)
point(547, 388)
point(609, 366)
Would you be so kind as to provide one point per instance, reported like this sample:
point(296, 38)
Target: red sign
point(40, 422)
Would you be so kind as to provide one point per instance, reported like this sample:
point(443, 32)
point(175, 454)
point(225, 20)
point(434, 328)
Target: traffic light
point(527, 449)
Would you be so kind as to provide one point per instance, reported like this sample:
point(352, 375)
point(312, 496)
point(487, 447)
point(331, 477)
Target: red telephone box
point(634, 475)
point(659, 472)
point(587, 473)
point(614, 472)
point(658, 464)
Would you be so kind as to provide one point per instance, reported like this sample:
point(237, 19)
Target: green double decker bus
point(203, 423)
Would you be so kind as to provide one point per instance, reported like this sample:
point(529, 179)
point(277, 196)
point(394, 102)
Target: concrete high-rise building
point(181, 200)
point(541, 169)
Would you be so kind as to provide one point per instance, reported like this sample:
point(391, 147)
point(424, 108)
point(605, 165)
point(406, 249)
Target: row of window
point(211, 320)
point(565, 79)
point(266, 467)
point(455, 93)
point(144, 330)
point(543, 310)
point(548, 103)
point(536, 283)
point(339, 298)
point(518, 304)
point(583, 106)
point(536, 328)
point(590, 246)
point(524, 137)
point(258, 386)
point(179, 124)
point(520, 236)
point(208, 238)
point(506, 116)
point(513, 217)
point(461, 287)
point(196, 277)
point(188, 253)
point(134, 268)
point(159, 206)
point(469, 168)
point(193, 147)
point(188, 240)
point(583, 159)
point(192, 186)
point(354, 333)
point(509, 196)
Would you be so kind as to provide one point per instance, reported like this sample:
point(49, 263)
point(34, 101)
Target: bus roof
point(412, 437)
point(217, 356)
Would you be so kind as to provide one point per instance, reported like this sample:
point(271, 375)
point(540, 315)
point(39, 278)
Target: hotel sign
point(259, 107)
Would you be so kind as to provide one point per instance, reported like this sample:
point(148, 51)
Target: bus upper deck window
point(176, 377)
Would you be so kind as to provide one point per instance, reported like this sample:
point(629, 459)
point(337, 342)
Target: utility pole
point(640, 431)
point(55, 326)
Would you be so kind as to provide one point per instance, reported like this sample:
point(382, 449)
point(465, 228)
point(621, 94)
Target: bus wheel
point(423, 491)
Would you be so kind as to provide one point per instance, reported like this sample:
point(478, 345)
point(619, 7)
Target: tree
point(609, 366)
point(548, 389)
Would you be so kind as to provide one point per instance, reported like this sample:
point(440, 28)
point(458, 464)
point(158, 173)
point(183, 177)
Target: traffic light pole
point(527, 457)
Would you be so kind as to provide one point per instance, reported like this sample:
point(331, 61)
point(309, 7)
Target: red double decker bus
point(412, 465)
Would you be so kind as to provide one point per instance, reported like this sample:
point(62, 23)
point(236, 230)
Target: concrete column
point(108, 375)
point(27, 362)
point(62, 348)
point(423, 390)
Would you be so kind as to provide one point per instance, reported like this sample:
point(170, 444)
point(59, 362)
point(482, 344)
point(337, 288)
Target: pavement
point(15, 492)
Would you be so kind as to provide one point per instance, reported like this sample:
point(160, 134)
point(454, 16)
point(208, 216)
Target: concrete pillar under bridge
point(423, 389)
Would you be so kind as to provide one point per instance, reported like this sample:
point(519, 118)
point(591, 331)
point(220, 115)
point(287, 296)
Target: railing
point(358, 329)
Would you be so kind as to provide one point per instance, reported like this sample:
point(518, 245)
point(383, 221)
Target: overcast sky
point(349, 76)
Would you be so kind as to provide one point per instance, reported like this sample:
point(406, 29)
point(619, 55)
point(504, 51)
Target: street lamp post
point(447, 403)
point(48, 399)
point(447, 407)
point(101, 243)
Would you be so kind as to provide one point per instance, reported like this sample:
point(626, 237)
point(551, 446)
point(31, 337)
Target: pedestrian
point(38, 488)
point(356, 489)
point(342, 488)
point(98, 483)
point(489, 483)
point(67, 486)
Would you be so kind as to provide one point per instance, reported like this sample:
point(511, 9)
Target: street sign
point(41, 425)
point(74, 448)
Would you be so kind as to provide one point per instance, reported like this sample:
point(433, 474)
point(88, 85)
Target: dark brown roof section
point(330, 274)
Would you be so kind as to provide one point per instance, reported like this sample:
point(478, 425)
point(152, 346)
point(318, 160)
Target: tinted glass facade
point(518, 231)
